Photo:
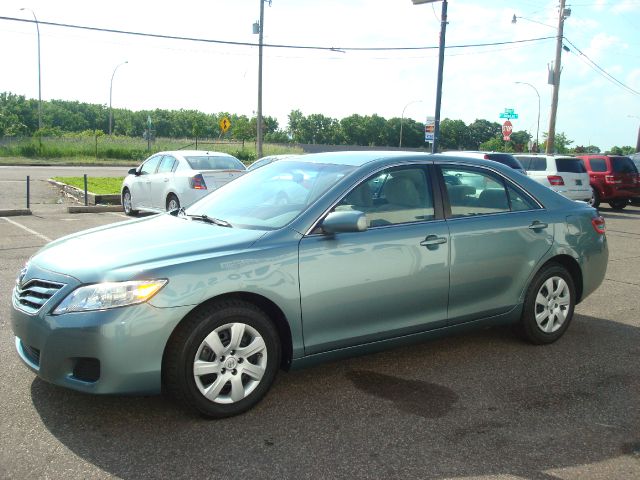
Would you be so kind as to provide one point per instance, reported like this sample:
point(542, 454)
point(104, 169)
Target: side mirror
point(133, 171)
point(344, 222)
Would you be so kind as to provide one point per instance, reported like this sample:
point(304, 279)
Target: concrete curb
point(92, 198)
point(95, 209)
point(15, 212)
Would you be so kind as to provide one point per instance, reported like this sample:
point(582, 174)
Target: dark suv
point(613, 178)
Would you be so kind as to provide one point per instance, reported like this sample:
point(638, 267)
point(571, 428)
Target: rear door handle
point(538, 225)
point(432, 240)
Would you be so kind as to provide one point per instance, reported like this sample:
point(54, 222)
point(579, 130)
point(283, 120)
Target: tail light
point(612, 179)
point(197, 182)
point(599, 225)
point(555, 180)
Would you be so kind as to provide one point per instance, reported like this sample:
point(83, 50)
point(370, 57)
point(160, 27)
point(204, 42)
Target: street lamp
point(111, 94)
point(39, 71)
point(443, 32)
point(402, 119)
point(538, 125)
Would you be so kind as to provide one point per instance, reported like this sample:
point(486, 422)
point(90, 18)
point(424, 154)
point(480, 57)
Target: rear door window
point(474, 192)
point(570, 165)
point(537, 164)
point(598, 165)
point(167, 164)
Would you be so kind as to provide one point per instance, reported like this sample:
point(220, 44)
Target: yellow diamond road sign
point(224, 123)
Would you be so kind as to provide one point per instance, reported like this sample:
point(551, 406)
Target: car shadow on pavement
point(483, 403)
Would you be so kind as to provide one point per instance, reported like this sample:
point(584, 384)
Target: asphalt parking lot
point(480, 405)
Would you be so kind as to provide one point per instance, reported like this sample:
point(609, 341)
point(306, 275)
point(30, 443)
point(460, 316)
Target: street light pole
point(443, 33)
point(39, 70)
point(402, 119)
point(538, 125)
point(111, 95)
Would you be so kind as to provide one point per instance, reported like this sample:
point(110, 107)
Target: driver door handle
point(432, 240)
point(538, 225)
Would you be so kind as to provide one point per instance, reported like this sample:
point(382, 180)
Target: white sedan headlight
point(101, 296)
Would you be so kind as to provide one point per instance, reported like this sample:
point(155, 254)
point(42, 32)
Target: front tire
point(222, 359)
point(126, 203)
point(549, 304)
point(594, 201)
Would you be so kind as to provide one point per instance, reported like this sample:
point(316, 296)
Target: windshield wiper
point(211, 220)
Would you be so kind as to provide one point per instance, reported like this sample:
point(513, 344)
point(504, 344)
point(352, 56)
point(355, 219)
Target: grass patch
point(97, 185)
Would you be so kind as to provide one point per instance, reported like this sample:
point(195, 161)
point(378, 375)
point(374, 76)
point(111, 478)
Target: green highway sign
point(508, 115)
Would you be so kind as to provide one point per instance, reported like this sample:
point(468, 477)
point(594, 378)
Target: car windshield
point(623, 165)
point(570, 165)
point(209, 162)
point(272, 196)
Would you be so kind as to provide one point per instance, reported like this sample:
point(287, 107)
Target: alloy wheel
point(230, 363)
point(552, 304)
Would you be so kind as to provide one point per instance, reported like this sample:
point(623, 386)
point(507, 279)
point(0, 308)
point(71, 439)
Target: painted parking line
point(117, 214)
point(27, 229)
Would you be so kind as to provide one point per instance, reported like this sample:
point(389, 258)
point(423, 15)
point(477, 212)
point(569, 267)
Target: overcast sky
point(478, 82)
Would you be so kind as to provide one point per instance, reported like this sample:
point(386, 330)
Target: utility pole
point(259, 114)
point(443, 34)
point(39, 71)
point(557, 68)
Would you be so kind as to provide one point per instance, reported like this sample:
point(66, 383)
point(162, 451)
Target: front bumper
point(109, 351)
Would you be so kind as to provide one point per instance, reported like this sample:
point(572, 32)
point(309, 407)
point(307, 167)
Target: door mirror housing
point(133, 171)
point(344, 222)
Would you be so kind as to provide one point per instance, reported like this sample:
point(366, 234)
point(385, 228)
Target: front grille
point(32, 296)
point(33, 354)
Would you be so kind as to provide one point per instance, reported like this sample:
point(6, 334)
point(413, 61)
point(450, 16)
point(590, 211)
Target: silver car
point(170, 180)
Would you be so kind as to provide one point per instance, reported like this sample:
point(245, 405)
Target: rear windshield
point(505, 158)
point(598, 165)
point(570, 165)
point(623, 165)
point(207, 162)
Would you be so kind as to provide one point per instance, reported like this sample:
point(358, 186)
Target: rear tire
point(126, 203)
point(619, 204)
point(548, 306)
point(222, 359)
point(172, 202)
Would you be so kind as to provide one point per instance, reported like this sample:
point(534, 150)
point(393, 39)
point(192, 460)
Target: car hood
point(128, 250)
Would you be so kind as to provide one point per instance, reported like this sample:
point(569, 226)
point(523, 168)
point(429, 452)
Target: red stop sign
point(507, 128)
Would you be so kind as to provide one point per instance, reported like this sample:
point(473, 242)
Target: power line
point(249, 44)
point(600, 69)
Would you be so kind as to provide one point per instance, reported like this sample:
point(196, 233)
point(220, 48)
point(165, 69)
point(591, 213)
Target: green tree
point(481, 131)
point(561, 143)
point(454, 135)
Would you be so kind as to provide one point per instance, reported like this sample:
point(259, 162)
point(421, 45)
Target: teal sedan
point(376, 250)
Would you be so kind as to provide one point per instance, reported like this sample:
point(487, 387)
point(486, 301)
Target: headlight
point(101, 296)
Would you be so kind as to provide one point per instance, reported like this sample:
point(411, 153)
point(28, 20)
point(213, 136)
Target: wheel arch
point(573, 267)
point(275, 314)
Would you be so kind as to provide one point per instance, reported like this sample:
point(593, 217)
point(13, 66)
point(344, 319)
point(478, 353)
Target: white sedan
point(170, 180)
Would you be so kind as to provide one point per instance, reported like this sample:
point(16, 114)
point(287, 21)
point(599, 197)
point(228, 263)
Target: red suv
point(613, 178)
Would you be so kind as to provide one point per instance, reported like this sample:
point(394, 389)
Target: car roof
point(360, 158)
point(201, 153)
